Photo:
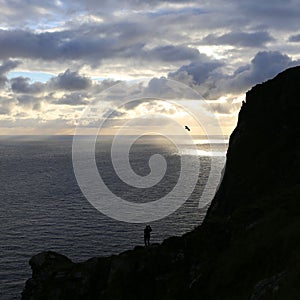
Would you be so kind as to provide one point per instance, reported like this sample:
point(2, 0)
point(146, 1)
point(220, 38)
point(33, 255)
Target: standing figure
point(147, 231)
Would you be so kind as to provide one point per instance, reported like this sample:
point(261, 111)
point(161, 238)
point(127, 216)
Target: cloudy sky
point(58, 56)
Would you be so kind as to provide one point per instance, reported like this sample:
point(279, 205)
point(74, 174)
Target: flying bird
point(187, 128)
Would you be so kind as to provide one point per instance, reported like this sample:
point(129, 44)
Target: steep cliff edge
point(248, 246)
point(264, 147)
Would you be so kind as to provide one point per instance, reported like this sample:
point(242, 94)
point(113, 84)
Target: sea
point(42, 206)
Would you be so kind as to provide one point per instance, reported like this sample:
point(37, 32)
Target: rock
point(46, 263)
point(267, 285)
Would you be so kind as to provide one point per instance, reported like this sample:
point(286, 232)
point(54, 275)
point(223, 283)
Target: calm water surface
point(42, 207)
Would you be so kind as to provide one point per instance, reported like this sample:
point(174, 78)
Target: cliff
point(248, 246)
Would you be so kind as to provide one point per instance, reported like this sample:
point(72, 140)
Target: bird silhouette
point(187, 128)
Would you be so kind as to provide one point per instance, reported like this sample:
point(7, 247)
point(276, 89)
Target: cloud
point(265, 65)
point(134, 37)
point(205, 75)
point(196, 72)
point(91, 43)
point(174, 53)
point(70, 81)
point(159, 88)
point(125, 39)
point(7, 66)
point(75, 98)
point(22, 85)
point(244, 39)
point(60, 45)
point(68, 88)
point(225, 108)
point(25, 11)
point(29, 101)
point(273, 13)
point(26, 44)
point(208, 77)
point(6, 105)
point(294, 38)
point(109, 6)
point(114, 114)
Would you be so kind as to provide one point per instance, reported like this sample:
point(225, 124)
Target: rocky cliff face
point(248, 246)
point(264, 147)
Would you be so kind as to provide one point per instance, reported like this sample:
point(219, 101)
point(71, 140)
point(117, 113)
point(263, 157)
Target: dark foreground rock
point(248, 247)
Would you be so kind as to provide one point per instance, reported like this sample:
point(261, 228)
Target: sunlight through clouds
point(57, 56)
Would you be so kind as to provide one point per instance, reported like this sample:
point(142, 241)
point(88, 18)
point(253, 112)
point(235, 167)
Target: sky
point(59, 57)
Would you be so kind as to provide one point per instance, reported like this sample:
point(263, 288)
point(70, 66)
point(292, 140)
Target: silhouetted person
point(147, 231)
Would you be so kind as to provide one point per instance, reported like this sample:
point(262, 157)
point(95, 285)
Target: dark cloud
point(163, 33)
point(276, 14)
point(198, 71)
point(167, 89)
point(174, 53)
point(90, 43)
point(7, 66)
point(22, 85)
point(208, 78)
point(294, 38)
point(75, 98)
point(105, 85)
point(29, 101)
point(159, 87)
point(26, 44)
point(70, 81)
point(244, 39)
point(264, 66)
point(52, 45)
point(3, 80)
